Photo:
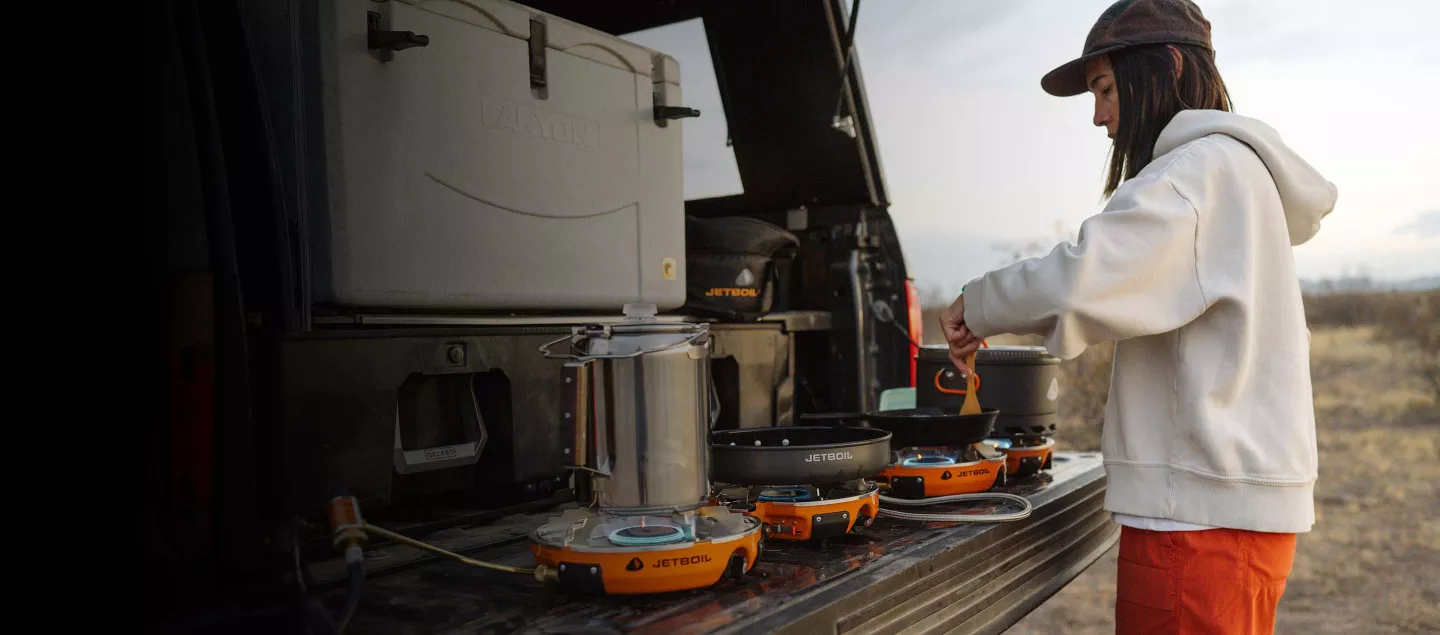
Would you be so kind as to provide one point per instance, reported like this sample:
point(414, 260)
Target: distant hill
point(1351, 285)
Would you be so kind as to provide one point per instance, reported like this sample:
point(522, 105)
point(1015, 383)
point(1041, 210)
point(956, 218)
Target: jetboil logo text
point(681, 562)
point(828, 456)
point(665, 563)
point(745, 279)
point(965, 473)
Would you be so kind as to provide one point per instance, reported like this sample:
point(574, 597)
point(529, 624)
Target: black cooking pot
point(929, 427)
point(1023, 382)
point(797, 455)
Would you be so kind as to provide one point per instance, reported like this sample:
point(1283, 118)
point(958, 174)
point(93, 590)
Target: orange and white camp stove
point(641, 457)
point(942, 471)
point(603, 553)
point(805, 512)
point(1025, 455)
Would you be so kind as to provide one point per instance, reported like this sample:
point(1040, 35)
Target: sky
point(991, 162)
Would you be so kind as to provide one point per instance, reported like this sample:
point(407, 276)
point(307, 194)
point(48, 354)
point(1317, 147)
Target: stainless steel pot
point(638, 394)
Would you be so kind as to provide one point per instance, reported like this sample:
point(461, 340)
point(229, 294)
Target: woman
point(1209, 435)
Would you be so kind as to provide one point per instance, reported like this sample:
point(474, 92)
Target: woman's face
point(1101, 80)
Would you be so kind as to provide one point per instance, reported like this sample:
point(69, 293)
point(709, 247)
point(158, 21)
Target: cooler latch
point(663, 113)
point(383, 42)
point(539, 82)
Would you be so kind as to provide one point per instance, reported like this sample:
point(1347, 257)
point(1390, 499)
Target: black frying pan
point(797, 455)
point(835, 419)
point(922, 427)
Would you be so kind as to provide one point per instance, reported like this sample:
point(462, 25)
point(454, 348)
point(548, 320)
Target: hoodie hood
point(1305, 196)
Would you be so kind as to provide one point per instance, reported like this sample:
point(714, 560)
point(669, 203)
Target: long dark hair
point(1150, 96)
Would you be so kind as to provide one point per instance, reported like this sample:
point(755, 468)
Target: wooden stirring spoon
point(972, 385)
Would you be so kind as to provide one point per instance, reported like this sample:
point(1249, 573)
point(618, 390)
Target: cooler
point(507, 159)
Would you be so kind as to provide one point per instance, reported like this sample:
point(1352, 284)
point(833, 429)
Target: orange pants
point(1214, 581)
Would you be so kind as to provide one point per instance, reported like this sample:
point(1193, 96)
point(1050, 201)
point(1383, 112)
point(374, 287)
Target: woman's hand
point(962, 342)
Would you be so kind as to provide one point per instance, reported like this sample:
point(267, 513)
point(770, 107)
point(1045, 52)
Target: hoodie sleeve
point(1132, 273)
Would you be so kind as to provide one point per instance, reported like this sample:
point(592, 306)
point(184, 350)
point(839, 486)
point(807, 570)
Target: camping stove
point(806, 512)
point(944, 471)
point(636, 412)
point(600, 552)
point(1025, 455)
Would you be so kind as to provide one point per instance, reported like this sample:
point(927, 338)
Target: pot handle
point(545, 348)
point(940, 386)
point(963, 389)
point(576, 413)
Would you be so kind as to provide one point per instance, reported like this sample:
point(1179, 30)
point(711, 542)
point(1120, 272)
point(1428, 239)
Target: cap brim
point(1069, 79)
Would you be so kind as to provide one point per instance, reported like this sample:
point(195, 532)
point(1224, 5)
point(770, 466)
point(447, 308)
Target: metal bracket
point(829, 525)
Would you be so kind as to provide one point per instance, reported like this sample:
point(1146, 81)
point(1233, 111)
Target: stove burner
point(1003, 444)
point(647, 535)
point(924, 461)
point(785, 495)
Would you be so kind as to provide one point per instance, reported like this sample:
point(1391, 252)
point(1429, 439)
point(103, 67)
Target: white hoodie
point(1189, 269)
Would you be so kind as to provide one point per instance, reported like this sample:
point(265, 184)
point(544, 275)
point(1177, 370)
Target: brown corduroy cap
point(1131, 23)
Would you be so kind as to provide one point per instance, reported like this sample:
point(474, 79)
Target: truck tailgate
point(895, 575)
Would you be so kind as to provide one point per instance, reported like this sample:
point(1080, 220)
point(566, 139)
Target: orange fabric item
point(1213, 581)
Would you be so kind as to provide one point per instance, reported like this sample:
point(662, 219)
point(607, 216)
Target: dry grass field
point(1372, 562)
